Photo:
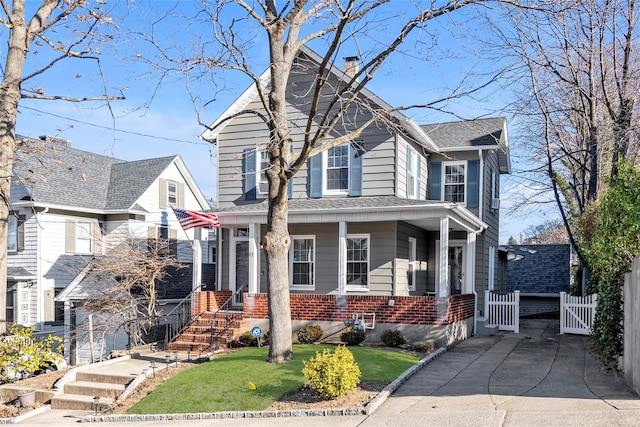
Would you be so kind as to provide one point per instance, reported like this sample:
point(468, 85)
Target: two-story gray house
point(417, 205)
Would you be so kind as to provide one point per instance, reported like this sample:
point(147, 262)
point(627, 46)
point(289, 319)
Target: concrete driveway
point(534, 378)
point(537, 377)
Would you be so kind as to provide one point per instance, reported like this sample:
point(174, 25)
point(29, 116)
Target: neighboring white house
point(69, 205)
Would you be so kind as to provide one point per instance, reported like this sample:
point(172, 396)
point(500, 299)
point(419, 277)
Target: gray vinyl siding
point(404, 231)
point(28, 257)
point(491, 234)
point(378, 161)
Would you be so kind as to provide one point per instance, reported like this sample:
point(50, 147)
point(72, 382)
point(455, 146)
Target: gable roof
point(410, 127)
point(54, 174)
point(483, 134)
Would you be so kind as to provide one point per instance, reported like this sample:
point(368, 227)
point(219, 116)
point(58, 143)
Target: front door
point(242, 267)
point(456, 265)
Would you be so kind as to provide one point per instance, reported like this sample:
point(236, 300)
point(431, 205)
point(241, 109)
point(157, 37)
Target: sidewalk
point(535, 378)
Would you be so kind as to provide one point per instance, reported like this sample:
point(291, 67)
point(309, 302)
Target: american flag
point(190, 219)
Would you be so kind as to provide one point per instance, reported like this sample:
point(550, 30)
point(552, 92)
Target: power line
point(115, 129)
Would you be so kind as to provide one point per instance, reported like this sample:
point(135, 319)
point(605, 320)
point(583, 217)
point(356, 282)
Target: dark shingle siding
point(538, 268)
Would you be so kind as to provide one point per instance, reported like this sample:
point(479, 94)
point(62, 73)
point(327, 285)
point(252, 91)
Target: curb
point(368, 410)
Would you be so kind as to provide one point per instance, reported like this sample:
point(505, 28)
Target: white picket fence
point(503, 310)
point(577, 313)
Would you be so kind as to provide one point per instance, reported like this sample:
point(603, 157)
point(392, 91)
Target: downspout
point(481, 186)
point(39, 290)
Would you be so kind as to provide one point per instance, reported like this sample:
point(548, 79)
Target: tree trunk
point(277, 240)
point(9, 98)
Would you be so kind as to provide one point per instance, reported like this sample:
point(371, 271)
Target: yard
point(223, 384)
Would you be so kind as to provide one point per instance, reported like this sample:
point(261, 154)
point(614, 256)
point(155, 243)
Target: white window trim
point(325, 164)
point(90, 237)
point(12, 222)
point(412, 173)
point(175, 193)
point(452, 243)
point(353, 288)
point(259, 172)
point(466, 179)
point(311, 287)
point(494, 191)
point(412, 262)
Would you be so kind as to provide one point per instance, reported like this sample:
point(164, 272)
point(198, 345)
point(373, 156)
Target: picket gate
point(577, 313)
point(503, 310)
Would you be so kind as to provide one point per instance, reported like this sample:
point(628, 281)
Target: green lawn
point(223, 383)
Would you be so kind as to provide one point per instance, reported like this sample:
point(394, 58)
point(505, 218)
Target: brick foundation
point(407, 310)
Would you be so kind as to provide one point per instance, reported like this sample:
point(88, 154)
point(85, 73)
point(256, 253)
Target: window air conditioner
point(495, 203)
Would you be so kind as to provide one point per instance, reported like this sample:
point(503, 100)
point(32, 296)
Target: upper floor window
point(337, 172)
point(457, 182)
point(261, 177)
point(15, 233)
point(79, 237)
point(301, 262)
point(172, 193)
point(454, 182)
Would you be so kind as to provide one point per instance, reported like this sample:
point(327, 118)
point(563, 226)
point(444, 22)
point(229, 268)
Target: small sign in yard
point(256, 331)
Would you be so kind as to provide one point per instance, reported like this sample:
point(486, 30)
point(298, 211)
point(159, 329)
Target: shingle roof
point(53, 173)
point(332, 204)
point(18, 272)
point(468, 133)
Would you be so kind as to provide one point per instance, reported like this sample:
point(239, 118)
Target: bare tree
point(37, 38)
point(332, 116)
point(579, 97)
point(128, 277)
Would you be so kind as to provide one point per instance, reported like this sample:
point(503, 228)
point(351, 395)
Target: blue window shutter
point(315, 176)
point(249, 173)
point(355, 172)
point(473, 180)
point(435, 178)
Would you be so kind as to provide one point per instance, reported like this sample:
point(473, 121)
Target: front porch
point(442, 321)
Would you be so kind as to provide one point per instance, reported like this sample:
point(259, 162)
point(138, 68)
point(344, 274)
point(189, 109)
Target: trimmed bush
point(310, 334)
point(393, 338)
point(248, 340)
point(332, 373)
point(265, 339)
point(352, 336)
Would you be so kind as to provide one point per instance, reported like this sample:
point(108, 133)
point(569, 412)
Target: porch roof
point(421, 213)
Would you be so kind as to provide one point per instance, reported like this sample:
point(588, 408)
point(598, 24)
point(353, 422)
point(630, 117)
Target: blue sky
point(157, 121)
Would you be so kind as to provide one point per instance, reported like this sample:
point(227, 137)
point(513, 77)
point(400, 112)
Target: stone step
point(79, 402)
point(96, 377)
point(92, 389)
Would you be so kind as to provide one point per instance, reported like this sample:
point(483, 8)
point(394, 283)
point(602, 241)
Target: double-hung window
point(84, 237)
point(262, 159)
point(15, 233)
point(358, 262)
point(302, 262)
point(172, 193)
point(411, 270)
point(337, 173)
point(454, 182)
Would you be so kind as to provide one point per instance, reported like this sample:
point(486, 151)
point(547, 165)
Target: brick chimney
point(351, 66)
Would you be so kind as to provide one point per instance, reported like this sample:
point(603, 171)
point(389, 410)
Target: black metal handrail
point(227, 306)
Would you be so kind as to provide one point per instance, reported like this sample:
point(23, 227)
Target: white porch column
point(470, 267)
point(196, 279)
point(254, 233)
point(443, 259)
point(342, 258)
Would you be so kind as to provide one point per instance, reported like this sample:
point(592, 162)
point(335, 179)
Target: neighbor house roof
point(51, 173)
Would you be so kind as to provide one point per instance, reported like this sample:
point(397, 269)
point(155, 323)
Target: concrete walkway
point(535, 378)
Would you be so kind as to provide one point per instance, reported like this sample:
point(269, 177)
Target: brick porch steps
point(221, 326)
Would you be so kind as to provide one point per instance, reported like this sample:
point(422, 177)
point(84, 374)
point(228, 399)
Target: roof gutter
point(420, 136)
point(463, 212)
point(77, 209)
